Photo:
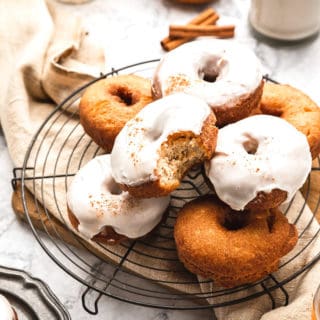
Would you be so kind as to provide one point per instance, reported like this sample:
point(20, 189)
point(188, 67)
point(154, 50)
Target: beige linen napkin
point(41, 62)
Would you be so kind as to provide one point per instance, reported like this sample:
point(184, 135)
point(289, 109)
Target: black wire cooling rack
point(144, 272)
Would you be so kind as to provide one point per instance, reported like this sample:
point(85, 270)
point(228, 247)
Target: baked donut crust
point(108, 104)
point(295, 107)
point(230, 247)
point(241, 109)
point(267, 200)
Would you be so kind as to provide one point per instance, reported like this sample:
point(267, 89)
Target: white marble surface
point(130, 32)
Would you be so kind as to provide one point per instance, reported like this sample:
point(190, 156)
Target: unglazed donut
point(227, 76)
point(100, 211)
point(6, 310)
point(108, 104)
point(295, 107)
point(154, 150)
point(229, 247)
point(260, 162)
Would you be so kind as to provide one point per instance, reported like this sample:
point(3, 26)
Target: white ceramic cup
point(285, 19)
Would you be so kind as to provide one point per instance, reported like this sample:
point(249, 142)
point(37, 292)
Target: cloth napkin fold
point(42, 60)
point(45, 55)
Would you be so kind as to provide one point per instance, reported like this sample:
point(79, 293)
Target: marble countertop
point(131, 33)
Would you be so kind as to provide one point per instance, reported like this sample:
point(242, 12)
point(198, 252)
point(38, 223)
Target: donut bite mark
point(155, 149)
point(295, 107)
point(231, 247)
point(108, 104)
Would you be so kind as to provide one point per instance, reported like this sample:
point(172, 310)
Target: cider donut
point(227, 76)
point(229, 247)
point(109, 103)
point(6, 310)
point(295, 107)
point(100, 211)
point(260, 162)
point(155, 149)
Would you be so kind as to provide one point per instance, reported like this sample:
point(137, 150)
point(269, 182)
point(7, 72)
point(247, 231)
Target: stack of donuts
point(207, 103)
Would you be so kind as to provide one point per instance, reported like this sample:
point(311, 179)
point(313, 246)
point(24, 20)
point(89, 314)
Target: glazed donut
point(100, 211)
point(155, 149)
point(229, 247)
point(260, 162)
point(227, 76)
point(108, 104)
point(295, 107)
point(6, 310)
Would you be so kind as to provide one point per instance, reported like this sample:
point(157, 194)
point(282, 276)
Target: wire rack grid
point(147, 271)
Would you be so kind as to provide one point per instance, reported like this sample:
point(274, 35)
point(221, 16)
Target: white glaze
point(6, 311)
point(282, 160)
point(96, 201)
point(135, 152)
point(237, 68)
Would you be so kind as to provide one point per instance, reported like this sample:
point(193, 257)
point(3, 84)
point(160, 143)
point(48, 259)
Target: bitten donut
point(229, 247)
point(108, 104)
point(155, 149)
point(100, 211)
point(227, 76)
point(295, 107)
point(260, 162)
point(6, 310)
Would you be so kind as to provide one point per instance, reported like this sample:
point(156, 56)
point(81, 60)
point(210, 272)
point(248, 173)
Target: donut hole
point(123, 95)
point(233, 220)
point(210, 77)
point(113, 188)
point(211, 69)
point(251, 144)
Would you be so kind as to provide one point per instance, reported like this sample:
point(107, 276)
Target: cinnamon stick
point(169, 43)
point(199, 19)
point(200, 30)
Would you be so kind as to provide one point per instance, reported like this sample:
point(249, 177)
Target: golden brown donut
point(230, 247)
point(108, 104)
point(297, 108)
